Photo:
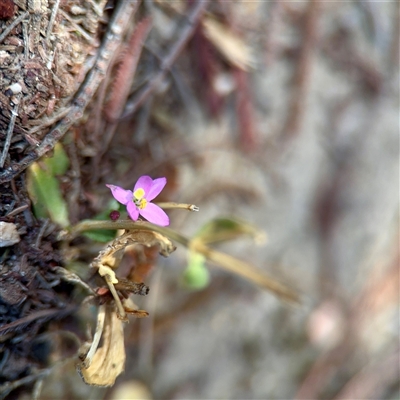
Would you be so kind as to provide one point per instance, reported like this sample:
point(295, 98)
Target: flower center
point(138, 199)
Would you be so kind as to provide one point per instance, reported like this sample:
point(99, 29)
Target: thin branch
point(372, 381)
point(25, 36)
point(50, 121)
point(10, 131)
point(13, 25)
point(41, 233)
point(126, 70)
point(303, 72)
point(185, 34)
point(17, 210)
point(52, 19)
point(44, 315)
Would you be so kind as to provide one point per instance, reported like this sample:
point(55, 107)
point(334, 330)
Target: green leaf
point(103, 235)
point(98, 235)
point(224, 229)
point(58, 164)
point(44, 191)
point(196, 276)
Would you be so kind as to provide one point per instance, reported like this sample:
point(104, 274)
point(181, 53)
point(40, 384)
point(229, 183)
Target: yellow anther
point(142, 204)
point(138, 193)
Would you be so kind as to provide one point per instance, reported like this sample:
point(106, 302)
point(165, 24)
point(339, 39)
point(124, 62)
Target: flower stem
point(88, 225)
point(182, 206)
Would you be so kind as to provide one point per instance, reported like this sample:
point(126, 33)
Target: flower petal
point(145, 183)
point(155, 215)
point(121, 195)
point(132, 210)
point(157, 186)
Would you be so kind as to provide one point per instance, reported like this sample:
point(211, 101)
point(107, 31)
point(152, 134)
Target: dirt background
point(296, 130)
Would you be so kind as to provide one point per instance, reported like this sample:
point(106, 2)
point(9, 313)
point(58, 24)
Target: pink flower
point(138, 201)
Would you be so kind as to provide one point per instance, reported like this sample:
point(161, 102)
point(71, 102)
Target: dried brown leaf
point(109, 360)
point(151, 238)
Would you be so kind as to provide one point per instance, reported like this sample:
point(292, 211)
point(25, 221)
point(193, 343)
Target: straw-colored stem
point(179, 206)
point(247, 271)
point(120, 307)
point(97, 335)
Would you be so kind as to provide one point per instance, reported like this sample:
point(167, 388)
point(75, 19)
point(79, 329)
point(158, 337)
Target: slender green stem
point(88, 225)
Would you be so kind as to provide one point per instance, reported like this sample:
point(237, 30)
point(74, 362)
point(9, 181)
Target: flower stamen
point(138, 199)
point(138, 194)
point(142, 204)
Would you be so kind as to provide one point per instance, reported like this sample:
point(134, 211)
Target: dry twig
point(303, 72)
point(14, 114)
point(13, 25)
point(184, 36)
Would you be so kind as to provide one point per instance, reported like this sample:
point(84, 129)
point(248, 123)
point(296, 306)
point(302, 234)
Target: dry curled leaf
point(110, 258)
point(112, 254)
point(109, 360)
point(150, 238)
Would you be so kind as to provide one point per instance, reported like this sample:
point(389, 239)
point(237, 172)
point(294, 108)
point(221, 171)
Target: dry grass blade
point(247, 271)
